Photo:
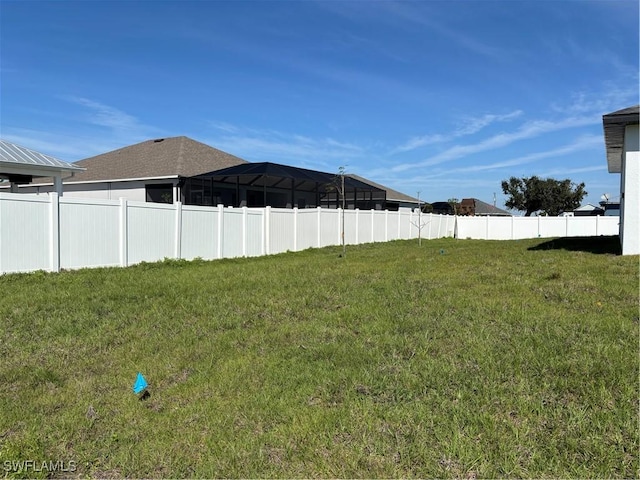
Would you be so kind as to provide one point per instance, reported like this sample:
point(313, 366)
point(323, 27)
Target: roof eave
point(37, 170)
point(614, 127)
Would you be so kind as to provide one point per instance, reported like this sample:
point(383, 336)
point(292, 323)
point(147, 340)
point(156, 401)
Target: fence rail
point(48, 232)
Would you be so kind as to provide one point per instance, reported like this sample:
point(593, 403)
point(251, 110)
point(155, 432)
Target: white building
point(622, 139)
point(20, 166)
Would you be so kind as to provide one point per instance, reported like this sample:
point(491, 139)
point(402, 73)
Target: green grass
point(454, 359)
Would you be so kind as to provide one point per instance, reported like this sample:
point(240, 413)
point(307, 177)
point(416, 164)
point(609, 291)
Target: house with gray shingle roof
point(152, 170)
point(20, 165)
point(167, 170)
point(473, 207)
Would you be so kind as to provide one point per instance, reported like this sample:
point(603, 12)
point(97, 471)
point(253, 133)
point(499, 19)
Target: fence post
point(245, 230)
point(319, 227)
point(54, 240)
point(512, 231)
point(295, 229)
point(124, 232)
point(357, 226)
point(487, 229)
point(266, 231)
point(220, 230)
point(386, 225)
point(373, 225)
point(566, 226)
point(178, 232)
point(597, 225)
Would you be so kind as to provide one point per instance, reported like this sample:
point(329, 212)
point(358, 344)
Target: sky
point(441, 99)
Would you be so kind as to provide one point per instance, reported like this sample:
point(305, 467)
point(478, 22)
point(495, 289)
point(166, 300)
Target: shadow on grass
point(599, 245)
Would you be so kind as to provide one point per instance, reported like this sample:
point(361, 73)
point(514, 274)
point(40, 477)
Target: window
point(159, 193)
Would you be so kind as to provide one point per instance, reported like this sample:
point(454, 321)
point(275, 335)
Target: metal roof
point(392, 194)
point(15, 156)
point(259, 171)
point(614, 126)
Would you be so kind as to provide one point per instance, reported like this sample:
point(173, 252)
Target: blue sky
point(447, 98)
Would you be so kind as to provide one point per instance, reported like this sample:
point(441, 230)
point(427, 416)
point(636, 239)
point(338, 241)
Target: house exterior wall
point(630, 192)
point(131, 190)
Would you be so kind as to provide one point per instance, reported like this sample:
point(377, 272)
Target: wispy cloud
point(65, 146)
point(412, 13)
point(105, 115)
point(467, 126)
point(609, 99)
point(573, 171)
point(528, 130)
point(271, 145)
point(471, 125)
point(586, 142)
point(93, 129)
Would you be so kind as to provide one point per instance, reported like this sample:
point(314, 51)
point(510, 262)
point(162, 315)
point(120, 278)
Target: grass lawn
point(454, 359)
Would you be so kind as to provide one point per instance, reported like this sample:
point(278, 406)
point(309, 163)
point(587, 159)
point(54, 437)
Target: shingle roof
point(163, 157)
point(484, 208)
point(34, 163)
point(392, 194)
point(614, 124)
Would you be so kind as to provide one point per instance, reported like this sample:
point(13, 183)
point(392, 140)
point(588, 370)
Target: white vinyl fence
point(47, 232)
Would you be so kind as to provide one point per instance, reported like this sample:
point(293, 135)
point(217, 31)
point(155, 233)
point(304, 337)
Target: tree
point(337, 185)
point(547, 196)
point(455, 205)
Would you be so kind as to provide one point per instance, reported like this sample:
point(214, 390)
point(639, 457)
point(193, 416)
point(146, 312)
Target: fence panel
point(364, 226)
point(351, 219)
point(47, 232)
point(472, 227)
point(551, 226)
point(442, 226)
point(393, 226)
point(151, 232)
point(233, 233)
point(608, 225)
point(307, 233)
point(89, 233)
point(25, 223)
point(499, 228)
point(255, 232)
point(379, 225)
point(199, 233)
point(524, 227)
point(329, 227)
point(281, 230)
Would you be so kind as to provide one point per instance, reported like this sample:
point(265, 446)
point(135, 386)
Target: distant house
point(20, 166)
point(622, 140)
point(442, 208)
point(168, 170)
point(475, 207)
point(151, 171)
point(611, 208)
point(587, 210)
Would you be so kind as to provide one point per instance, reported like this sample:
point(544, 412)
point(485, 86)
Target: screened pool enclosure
point(281, 186)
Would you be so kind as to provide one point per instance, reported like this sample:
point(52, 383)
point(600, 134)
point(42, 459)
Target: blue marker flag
point(140, 384)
